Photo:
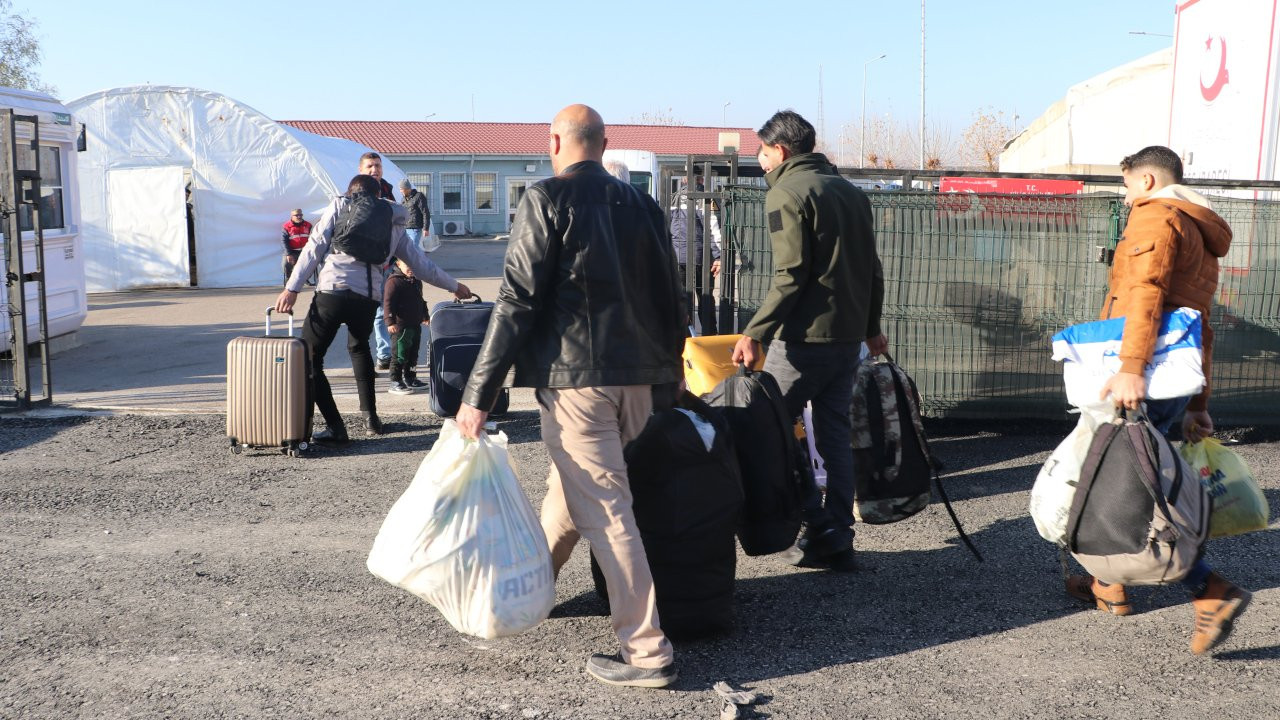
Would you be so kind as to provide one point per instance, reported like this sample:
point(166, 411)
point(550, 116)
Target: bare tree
point(19, 51)
point(657, 117)
point(986, 138)
point(884, 143)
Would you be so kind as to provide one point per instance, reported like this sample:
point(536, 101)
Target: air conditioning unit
point(452, 227)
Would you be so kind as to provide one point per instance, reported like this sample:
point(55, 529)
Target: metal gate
point(24, 360)
point(694, 198)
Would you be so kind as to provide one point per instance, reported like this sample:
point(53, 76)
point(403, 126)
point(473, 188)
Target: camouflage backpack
point(892, 463)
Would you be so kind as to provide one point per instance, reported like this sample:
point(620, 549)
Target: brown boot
point(1109, 598)
point(1216, 610)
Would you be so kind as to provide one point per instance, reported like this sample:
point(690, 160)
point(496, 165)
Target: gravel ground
point(149, 573)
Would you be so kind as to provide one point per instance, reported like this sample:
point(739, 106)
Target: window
point(642, 181)
point(486, 191)
point(451, 185)
point(51, 213)
point(422, 183)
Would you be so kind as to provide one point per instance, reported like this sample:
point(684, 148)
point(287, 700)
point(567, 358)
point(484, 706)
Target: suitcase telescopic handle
point(272, 309)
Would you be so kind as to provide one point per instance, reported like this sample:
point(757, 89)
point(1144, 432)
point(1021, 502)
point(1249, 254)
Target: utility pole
point(822, 121)
point(862, 139)
point(921, 84)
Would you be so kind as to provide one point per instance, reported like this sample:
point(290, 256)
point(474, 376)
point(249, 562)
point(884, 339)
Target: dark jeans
point(1164, 413)
point(822, 373)
point(329, 311)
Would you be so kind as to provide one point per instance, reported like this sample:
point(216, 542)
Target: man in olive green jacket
point(824, 302)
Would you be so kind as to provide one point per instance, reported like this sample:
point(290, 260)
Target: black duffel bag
point(687, 501)
point(773, 466)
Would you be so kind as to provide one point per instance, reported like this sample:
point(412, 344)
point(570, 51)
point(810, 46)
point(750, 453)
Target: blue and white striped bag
point(1091, 355)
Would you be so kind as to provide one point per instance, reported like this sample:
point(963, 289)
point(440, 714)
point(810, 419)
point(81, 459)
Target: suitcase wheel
point(235, 446)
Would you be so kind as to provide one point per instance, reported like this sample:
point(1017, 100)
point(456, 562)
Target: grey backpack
point(1140, 515)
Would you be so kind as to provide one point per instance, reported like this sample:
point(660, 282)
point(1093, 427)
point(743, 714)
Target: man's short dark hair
point(370, 156)
point(788, 129)
point(1155, 156)
point(364, 184)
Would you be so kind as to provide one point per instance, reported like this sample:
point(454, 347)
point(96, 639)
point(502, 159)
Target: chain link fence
point(976, 285)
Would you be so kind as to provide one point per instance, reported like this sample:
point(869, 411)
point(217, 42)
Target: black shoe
point(384, 363)
point(611, 670)
point(824, 549)
point(372, 424)
point(329, 437)
point(412, 382)
point(844, 561)
point(399, 388)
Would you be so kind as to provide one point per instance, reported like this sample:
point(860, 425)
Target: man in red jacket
point(293, 233)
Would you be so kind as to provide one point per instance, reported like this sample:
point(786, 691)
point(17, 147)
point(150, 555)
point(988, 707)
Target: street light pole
point(724, 109)
point(862, 139)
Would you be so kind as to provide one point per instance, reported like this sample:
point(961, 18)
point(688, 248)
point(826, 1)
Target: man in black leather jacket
point(590, 315)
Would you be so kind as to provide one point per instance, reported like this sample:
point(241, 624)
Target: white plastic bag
point(1055, 486)
point(430, 241)
point(464, 538)
point(1091, 355)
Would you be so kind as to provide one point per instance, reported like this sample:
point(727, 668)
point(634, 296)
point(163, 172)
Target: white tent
point(148, 144)
point(1100, 121)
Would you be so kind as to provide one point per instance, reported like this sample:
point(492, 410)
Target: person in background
point(371, 165)
point(1167, 259)
point(681, 225)
point(406, 312)
point(419, 226)
point(294, 233)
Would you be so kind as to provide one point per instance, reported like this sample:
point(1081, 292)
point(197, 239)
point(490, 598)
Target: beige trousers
point(588, 495)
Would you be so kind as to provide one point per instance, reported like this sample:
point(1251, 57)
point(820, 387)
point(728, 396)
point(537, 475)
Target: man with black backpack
point(355, 237)
point(824, 302)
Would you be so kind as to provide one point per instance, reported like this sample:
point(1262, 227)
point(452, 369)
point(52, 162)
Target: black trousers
point(289, 261)
point(702, 304)
point(329, 311)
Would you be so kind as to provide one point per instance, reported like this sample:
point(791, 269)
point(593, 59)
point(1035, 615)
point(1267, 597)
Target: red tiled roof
point(453, 138)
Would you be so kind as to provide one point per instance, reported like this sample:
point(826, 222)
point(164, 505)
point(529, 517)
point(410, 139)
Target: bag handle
point(268, 328)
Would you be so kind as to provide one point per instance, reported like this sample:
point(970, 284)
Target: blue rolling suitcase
point(457, 330)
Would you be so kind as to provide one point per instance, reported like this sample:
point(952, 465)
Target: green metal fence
point(976, 285)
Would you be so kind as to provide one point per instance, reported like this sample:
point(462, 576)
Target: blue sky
point(522, 61)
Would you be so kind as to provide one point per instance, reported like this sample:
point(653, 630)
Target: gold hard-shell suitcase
point(269, 392)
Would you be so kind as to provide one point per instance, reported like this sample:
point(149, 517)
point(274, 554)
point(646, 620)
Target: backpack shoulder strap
point(901, 378)
point(1102, 440)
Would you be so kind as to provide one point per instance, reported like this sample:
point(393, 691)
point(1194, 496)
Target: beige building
point(1100, 121)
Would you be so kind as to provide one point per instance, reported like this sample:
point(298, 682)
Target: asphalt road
point(150, 573)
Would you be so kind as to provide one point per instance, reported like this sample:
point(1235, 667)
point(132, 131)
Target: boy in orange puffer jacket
point(1168, 258)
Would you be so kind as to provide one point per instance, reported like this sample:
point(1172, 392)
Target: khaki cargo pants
point(588, 496)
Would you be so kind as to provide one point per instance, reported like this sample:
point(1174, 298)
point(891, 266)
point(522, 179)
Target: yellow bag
point(1238, 503)
point(706, 361)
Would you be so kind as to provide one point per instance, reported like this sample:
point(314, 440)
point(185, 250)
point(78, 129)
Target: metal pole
point(862, 139)
point(921, 86)
point(724, 113)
